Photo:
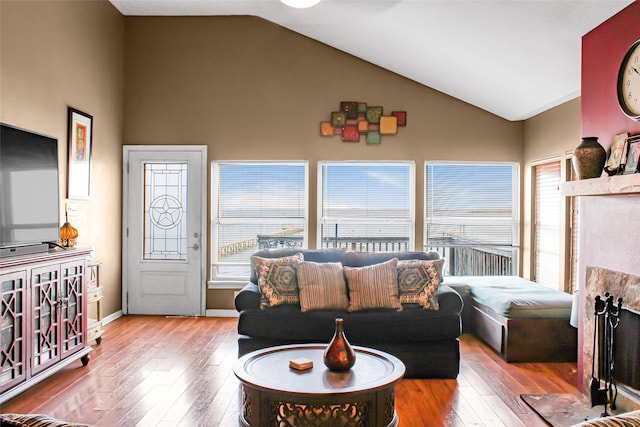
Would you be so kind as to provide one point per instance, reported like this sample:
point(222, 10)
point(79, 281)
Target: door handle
point(196, 245)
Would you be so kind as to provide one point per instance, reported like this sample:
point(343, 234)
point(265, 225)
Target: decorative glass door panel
point(13, 329)
point(72, 319)
point(45, 326)
point(165, 211)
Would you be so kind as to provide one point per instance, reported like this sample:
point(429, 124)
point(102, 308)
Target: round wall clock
point(629, 82)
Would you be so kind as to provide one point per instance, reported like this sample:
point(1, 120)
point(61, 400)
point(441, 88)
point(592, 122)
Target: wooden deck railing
point(467, 259)
point(462, 257)
point(367, 244)
point(269, 241)
point(284, 238)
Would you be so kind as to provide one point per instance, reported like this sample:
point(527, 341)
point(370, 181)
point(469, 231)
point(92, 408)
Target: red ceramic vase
point(339, 356)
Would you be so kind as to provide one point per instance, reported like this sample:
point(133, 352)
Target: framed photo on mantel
point(79, 164)
point(633, 155)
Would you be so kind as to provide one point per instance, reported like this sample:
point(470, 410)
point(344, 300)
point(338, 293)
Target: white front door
point(163, 232)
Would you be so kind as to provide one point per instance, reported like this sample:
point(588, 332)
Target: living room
point(252, 90)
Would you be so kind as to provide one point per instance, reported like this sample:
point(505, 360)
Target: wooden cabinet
point(13, 370)
point(94, 301)
point(44, 320)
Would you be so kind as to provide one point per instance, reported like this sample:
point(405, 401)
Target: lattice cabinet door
point(45, 326)
point(73, 318)
point(43, 316)
point(13, 353)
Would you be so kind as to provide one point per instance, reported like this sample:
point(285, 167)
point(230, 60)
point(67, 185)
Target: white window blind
point(574, 206)
point(472, 216)
point(547, 223)
point(366, 206)
point(256, 205)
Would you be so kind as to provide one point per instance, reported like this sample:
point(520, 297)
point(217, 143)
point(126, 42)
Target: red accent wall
point(602, 51)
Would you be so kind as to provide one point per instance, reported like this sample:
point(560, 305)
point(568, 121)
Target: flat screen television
point(29, 191)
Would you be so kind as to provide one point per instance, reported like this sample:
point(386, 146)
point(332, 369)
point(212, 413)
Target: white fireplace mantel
point(604, 186)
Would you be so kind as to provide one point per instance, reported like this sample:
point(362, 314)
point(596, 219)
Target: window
point(255, 205)
point(366, 206)
point(472, 216)
point(574, 233)
point(547, 217)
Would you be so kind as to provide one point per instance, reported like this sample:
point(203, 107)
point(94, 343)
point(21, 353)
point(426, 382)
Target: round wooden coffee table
point(275, 394)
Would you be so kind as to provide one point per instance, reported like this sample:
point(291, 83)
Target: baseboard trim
point(221, 313)
point(110, 318)
point(209, 313)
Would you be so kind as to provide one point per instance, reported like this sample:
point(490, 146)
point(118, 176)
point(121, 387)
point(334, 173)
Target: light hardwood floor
point(158, 371)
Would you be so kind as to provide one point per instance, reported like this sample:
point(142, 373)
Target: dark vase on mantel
point(339, 356)
point(589, 158)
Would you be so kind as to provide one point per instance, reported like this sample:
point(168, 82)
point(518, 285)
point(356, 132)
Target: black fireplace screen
point(627, 350)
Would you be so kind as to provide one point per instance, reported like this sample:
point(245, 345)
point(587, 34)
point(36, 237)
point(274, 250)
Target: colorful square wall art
point(349, 108)
point(326, 129)
point(402, 117)
point(373, 137)
point(338, 119)
point(388, 125)
point(355, 118)
point(373, 114)
point(350, 134)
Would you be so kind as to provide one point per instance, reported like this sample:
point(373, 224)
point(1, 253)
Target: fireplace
point(627, 348)
point(608, 260)
point(627, 351)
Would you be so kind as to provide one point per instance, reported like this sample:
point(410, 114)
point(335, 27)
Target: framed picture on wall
point(79, 150)
point(633, 154)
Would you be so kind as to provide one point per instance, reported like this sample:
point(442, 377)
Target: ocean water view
point(239, 240)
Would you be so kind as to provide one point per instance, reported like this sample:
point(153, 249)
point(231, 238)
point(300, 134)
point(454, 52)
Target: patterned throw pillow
point(277, 279)
point(373, 286)
point(418, 282)
point(322, 286)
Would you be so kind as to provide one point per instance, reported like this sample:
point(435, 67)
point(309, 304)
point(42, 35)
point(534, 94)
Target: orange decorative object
point(68, 234)
point(388, 125)
point(326, 129)
point(363, 126)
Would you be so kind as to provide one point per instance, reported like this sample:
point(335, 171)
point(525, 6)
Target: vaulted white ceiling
point(514, 58)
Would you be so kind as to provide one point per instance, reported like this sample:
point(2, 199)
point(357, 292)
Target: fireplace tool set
point(606, 320)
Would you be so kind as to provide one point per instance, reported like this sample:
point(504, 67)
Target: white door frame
point(127, 149)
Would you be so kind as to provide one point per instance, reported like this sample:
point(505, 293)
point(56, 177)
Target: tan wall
point(550, 135)
point(246, 88)
point(249, 89)
point(56, 54)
